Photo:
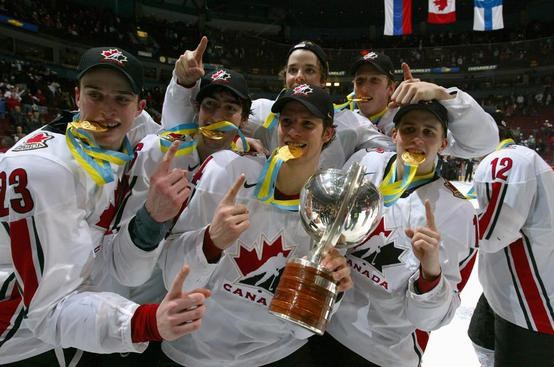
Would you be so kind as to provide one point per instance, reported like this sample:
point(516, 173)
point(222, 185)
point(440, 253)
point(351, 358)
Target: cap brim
point(209, 88)
point(416, 106)
point(359, 64)
point(113, 67)
point(281, 102)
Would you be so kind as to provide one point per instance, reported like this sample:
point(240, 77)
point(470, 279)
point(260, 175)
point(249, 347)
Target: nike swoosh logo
point(247, 185)
point(193, 167)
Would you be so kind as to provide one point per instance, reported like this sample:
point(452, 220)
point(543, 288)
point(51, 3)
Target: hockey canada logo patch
point(221, 76)
point(36, 141)
point(370, 56)
point(259, 273)
point(303, 89)
point(114, 55)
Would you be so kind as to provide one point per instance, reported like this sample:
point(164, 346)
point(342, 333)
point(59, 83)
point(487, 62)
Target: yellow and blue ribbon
point(350, 104)
point(94, 159)
point(265, 187)
point(271, 120)
point(392, 190)
point(179, 132)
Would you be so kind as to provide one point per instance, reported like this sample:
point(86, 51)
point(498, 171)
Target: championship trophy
point(338, 209)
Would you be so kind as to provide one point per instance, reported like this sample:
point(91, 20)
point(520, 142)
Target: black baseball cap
point(223, 78)
point(497, 115)
point(380, 61)
point(314, 98)
point(433, 106)
point(316, 49)
point(115, 58)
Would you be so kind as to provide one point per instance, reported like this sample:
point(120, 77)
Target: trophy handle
point(332, 234)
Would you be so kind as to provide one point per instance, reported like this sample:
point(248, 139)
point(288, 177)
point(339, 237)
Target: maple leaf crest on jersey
point(37, 141)
point(221, 75)
point(304, 89)
point(264, 270)
point(115, 55)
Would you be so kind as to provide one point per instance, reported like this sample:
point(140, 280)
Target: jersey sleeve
point(53, 252)
point(472, 131)
point(357, 132)
point(506, 187)
point(435, 308)
point(178, 107)
point(143, 125)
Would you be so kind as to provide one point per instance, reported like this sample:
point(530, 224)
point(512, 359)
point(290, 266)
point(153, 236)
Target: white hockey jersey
point(57, 218)
point(471, 133)
point(378, 318)
point(238, 329)
point(515, 188)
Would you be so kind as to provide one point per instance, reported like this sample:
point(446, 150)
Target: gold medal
point(211, 134)
point(290, 152)
point(89, 126)
point(414, 159)
point(361, 99)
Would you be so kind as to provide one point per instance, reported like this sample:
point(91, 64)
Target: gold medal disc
point(89, 126)
point(211, 134)
point(413, 158)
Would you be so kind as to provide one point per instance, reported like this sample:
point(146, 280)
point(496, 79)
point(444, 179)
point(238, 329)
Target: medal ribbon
point(91, 157)
point(265, 187)
point(179, 132)
point(271, 120)
point(392, 190)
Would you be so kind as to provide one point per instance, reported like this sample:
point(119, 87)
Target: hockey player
point(515, 191)
point(406, 273)
point(239, 242)
point(471, 131)
point(58, 200)
point(306, 63)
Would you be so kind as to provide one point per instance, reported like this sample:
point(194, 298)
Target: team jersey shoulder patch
point(36, 141)
point(454, 190)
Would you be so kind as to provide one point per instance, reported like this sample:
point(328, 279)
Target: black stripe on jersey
point(416, 349)
point(40, 254)
point(538, 275)
point(6, 227)
point(518, 291)
point(121, 206)
point(16, 325)
point(6, 285)
point(503, 190)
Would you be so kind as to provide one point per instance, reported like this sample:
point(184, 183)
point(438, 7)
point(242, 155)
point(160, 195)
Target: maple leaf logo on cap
point(221, 75)
point(440, 4)
point(115, 55)
point(370, 56)
point(303, 89)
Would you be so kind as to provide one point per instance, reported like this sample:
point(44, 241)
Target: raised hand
point(230, 219)
point(189, 67)
point(413, 90)
point(426, 245)
point(169, 188)
point(336, 263)
point(181, 312)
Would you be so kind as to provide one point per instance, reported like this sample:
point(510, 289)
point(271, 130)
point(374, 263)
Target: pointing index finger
point(177, 285)
point(406, 71)
point(430, 216)
point(199, 52)
point(231, 195)
point(168, 156)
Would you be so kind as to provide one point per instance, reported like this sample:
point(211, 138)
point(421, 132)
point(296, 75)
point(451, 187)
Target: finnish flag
point(487, 15)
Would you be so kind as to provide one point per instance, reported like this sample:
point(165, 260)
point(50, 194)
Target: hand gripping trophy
point(338, 209)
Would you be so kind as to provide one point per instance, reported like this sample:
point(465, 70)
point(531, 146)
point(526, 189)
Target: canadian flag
point(442, 11)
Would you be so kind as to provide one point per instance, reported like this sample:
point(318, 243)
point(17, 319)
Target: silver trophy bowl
point(339, 208)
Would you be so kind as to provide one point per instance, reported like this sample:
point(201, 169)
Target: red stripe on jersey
point(492, 208)
point(8, 309)
point(198, 175)
point(528, 283)
point(22, 255)
point(422, 338)
point(466, 267)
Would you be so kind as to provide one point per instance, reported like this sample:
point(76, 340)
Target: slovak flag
point(487, 15)
point(398, 17)
point(442, 11)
